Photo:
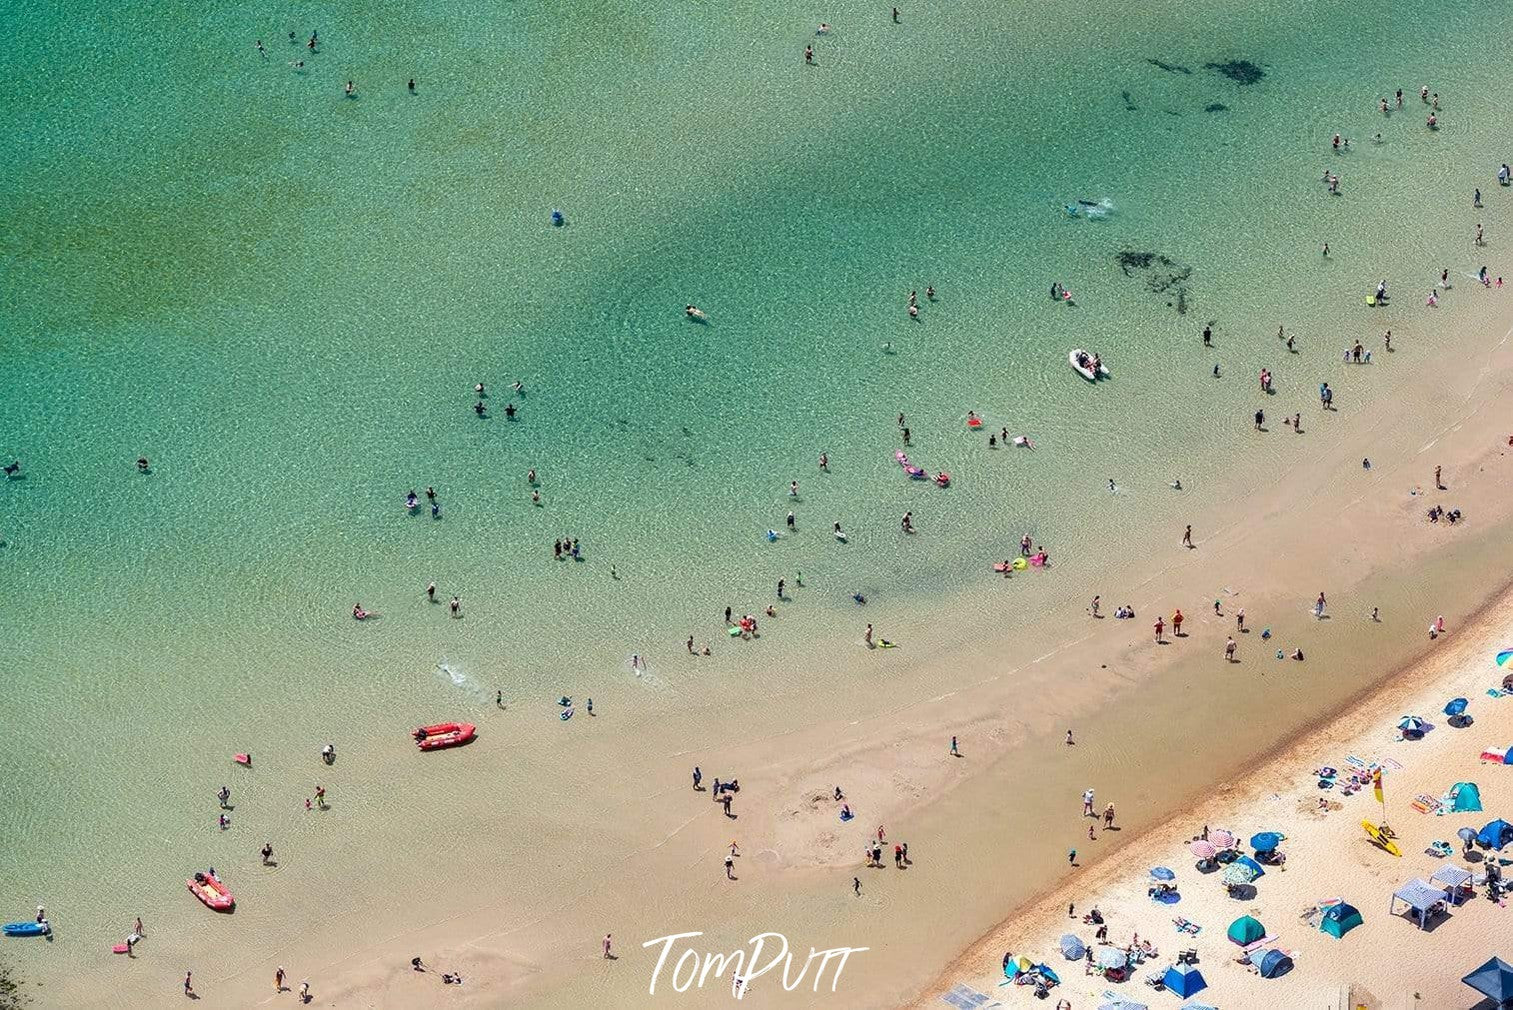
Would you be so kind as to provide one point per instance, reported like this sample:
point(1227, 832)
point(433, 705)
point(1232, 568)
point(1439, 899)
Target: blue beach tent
point(1183, 980)
point(1255, 867)
point(1274, 963)
point(1495, 834)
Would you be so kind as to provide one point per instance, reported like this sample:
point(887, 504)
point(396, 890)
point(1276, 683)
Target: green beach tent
point(1246, 930)
point(1340, 919)
point(1465, 797)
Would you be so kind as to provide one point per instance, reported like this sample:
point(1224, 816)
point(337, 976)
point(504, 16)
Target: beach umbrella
point(1266, 841)
point(1466, 834)
point(1493, 980)
point(1411, 724)
point(1111, 957)
point(1236, 874)
point(1071, 947)
point(1203, 850)
point(1162, 873)
point(1456, 706)
point(1221, 839)
point(1505, 659)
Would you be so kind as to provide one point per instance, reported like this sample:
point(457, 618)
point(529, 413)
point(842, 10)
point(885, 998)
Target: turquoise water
point(283, 297)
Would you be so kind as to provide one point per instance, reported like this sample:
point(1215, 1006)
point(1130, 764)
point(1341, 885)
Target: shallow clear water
point(283, 296)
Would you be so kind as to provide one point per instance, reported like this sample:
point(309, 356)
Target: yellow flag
point(1376, 785)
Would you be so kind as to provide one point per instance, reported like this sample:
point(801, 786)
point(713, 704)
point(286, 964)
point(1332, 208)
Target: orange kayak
point(444, 734)
point(212, 892)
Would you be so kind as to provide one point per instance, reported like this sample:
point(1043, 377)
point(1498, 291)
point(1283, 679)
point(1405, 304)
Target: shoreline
point(1459, 667)
point(522, 967)
point(1415, 678)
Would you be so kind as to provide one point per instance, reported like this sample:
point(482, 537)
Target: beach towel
point(1268, 938)
point(1493, 692)
point(1494, 754)
point(1424, 804)
point(1184, 926)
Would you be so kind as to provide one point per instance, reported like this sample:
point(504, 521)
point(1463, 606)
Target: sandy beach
point(1388, 961)
point(285, 308)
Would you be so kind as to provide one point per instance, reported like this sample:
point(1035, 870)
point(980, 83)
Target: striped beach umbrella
point(1222, 839)
point(1203, 850)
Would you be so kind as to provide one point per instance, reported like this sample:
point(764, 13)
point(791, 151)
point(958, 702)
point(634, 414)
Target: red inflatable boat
point(212, 892)
point(443, 734)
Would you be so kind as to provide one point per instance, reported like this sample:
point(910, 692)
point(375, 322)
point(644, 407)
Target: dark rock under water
point(1239, 71)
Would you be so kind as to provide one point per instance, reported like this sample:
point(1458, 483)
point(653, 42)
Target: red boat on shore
point(208, 888)
point(444, 734)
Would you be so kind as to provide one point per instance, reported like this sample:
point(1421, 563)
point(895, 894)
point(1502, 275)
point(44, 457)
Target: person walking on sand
point(1240, 620)
point(1087, 803)
point(1108, 817)
point(1187, 536)
point(1177, 623)
point(867, 636)
point(1092, 836)
point(606, 945)
point(267, 852)
point(1069, 741)
point(954, 751)
point(1438, 484)
point(304, 991)
point(278, 979)
point(1160, 627)
point(856, 886)
point(729, 867)
point(698, 776)
point(1318, 606)
point(1092, 607)
point(1229, 649)
point(189, 984)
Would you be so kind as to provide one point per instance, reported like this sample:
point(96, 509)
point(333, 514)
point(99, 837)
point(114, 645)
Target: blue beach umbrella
point(1266, 841)
point(1457, 706)
point(1411, 724)
point(1162, 873)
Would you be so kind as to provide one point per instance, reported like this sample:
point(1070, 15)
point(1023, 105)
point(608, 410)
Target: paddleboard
point(25, 929)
